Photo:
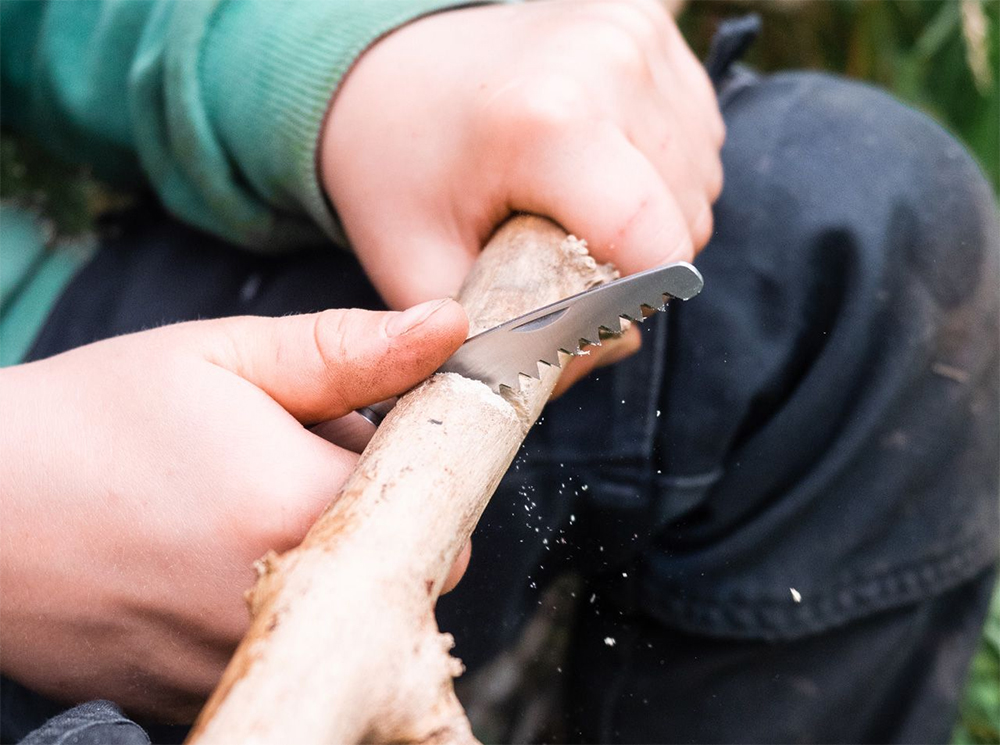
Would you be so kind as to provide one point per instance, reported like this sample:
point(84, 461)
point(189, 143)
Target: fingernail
point(409, 319)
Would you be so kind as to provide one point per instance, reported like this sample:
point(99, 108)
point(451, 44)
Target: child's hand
point(592, 113)
point(143, 475)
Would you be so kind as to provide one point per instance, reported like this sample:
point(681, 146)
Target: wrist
point(275, 74)
point(20, 543)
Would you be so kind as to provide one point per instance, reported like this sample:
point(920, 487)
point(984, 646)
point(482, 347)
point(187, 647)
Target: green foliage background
point(926, 52)
point(979, 719)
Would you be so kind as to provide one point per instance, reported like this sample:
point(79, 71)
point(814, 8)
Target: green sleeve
point(217, 104)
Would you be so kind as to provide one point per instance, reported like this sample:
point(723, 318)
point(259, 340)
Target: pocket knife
point(501, 355)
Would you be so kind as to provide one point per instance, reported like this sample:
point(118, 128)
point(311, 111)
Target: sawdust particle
point(950, 372)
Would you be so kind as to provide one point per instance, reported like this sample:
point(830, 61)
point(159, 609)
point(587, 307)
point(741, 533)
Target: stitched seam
point(64, 737)
point(814, 615)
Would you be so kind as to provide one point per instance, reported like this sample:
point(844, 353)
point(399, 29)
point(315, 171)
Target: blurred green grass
point(979, 715)
point(940, 56)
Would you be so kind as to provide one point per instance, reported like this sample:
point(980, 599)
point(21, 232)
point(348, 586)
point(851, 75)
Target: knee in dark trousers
point(785, 506)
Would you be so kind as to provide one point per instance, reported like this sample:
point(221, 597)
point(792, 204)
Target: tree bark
point(344, 646)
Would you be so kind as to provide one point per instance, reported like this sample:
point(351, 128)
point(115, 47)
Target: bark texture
point(344, 646)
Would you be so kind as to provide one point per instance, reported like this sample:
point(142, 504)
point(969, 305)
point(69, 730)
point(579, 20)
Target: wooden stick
point(344, 646)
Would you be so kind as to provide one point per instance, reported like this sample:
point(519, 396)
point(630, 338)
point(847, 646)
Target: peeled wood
point(344, 646)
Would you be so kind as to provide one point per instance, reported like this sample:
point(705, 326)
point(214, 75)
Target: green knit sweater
point(217, 104)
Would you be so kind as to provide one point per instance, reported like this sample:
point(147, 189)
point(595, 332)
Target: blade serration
point(624, 322)
point(493, 355)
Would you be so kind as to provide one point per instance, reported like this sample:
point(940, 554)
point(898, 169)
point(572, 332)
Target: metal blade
point(500, 355)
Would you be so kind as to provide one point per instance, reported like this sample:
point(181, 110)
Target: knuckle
point(685, 250)
point(632, 212)
point(330, 333)
point(620, 46)
point(644, 19)
point(701, 230)
point(654, 11)
point(715, 127)
point(222, 345)
point(550, 103)
point(716, 180)
point(718, 129)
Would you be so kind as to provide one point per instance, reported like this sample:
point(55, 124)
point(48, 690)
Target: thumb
point(323, 365)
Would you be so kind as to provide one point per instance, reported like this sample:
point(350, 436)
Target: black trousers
point(785, 508)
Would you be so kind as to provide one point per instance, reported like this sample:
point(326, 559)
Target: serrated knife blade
point(500, 355)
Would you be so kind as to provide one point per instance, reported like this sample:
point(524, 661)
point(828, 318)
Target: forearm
point(218, 105)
